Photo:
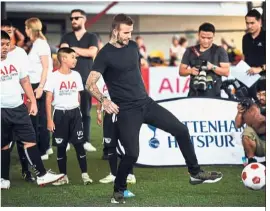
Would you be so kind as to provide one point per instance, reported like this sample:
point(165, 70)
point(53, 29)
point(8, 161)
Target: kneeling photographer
point(205, 63)
point(254, 116)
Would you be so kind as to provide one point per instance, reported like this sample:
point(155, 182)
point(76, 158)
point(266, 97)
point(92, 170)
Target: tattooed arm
point(91, 87)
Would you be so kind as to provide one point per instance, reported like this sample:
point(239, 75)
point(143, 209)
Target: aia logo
point(68, 85)
point(8, 70)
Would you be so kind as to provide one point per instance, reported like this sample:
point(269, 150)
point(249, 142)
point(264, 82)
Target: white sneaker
point(45, 157)
point(49, 151)
point(131, 179)
point(48, 178)
point(5, 184)
point(89, 147)
point(108, 179)
point(86, 179)
point(68, 147)
point(61, 181)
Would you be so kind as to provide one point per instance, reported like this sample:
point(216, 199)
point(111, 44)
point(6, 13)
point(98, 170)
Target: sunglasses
point(76, 18)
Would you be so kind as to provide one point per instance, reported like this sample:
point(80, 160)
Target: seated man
point(254, 135)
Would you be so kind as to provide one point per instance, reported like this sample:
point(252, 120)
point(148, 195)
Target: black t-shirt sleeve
point(92, 40)
point(223, 56)
point(185, 58)
point(100, 62)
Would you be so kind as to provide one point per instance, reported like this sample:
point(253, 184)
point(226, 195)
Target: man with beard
point(119, 64)
point(86, 47)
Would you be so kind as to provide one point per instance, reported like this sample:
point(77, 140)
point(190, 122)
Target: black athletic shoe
point(27, 176)
point(205, 177)
point(252, 160)
point(118, 198)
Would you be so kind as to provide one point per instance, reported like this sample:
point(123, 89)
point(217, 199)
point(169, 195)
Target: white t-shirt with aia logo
point(12, 70)
point(20, 53)
point(65, 89)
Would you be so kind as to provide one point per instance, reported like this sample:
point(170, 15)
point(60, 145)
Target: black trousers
point(129, 123)
point(40, 124)
point(86, 104)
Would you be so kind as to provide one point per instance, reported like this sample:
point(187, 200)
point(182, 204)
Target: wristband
point(214, 68)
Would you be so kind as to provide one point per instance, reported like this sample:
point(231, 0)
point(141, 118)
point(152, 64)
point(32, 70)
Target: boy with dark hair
point(17, 52)
point(63, 93)
point(15, 118)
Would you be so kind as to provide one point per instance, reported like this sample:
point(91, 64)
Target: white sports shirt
point(65, 89)
point(18, 52)
point(40, 48)
point(13, 69)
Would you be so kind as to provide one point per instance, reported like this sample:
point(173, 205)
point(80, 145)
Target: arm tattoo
point(92, 87)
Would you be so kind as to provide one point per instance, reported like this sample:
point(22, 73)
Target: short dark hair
point(4, 35)
point(254, 13)
point(78, 10)
point(261, 85)
point(6, 22)
point(182, 40)
point(121, 19)
point(63, 50)
point(207, 27)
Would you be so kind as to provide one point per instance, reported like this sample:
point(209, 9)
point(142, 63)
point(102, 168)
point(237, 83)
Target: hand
point(51, 126)
point(99, 118)
point(32, 108)
point(194, 71)
point(110, 107)
point(39, 92)
point(240, 109)
point(254, 70)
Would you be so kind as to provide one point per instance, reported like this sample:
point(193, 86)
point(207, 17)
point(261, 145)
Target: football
point(253, 176)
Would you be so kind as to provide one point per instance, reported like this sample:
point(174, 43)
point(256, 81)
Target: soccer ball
point(253, 176)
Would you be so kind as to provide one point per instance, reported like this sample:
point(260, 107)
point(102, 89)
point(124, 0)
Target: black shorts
point(16, 121)
point(68, 127)
point(110, 131)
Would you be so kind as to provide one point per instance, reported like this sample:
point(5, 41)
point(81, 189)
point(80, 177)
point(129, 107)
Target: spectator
point(17, 37)
point(234, 54)
point(174, 51)
point(183, 46)
point(141, 46)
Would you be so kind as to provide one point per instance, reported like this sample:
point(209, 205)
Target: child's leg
point(81, 156)
point(62, 159)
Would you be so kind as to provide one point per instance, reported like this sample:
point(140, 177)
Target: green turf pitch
point(155, 186)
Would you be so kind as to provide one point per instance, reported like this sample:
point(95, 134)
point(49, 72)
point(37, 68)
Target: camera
point(200, 81)
point(246, 103)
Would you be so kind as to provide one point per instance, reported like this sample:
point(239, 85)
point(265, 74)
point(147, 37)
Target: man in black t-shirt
point(119, 64)
point(86, 46)
point(254, 47)
point(217, 64)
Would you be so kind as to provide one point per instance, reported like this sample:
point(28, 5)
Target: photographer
point(205, 63)
point(253, 115)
